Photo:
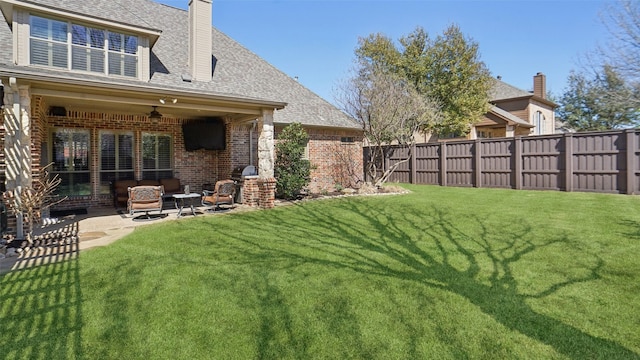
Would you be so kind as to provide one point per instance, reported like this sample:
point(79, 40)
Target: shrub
point(292, 171)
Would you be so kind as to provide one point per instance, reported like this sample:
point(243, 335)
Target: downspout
point(18, 136)
point(254, 124)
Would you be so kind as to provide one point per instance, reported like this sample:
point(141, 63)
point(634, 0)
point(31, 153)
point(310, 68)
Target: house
point(104, 89)
point(514, 112)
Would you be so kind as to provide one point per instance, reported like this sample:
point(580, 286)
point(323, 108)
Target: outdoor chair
point(145, 199)
point(223, 192)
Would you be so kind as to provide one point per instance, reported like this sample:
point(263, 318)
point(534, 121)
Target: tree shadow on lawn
point(434, 250)
point(41, 306)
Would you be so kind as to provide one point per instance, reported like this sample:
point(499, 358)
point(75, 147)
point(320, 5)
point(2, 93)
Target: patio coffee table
point(185, 200)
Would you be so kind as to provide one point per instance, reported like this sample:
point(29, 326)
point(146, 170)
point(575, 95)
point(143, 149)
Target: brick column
point(250, 192)
point(267, 192)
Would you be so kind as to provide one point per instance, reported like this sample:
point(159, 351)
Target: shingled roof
point(500, 90)
point(238, 72)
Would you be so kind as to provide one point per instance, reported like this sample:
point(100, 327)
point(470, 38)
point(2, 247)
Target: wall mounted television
point(208, 134)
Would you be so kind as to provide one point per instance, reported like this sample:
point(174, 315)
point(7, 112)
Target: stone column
point(266, 146)
point(266, 160)
point(17, 145)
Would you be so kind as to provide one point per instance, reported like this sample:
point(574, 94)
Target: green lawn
point(440, 273)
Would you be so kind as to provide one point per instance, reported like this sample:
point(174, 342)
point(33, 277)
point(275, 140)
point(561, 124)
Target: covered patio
point(95, 132)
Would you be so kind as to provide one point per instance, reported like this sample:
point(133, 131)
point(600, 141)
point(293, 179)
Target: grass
point(441, 273)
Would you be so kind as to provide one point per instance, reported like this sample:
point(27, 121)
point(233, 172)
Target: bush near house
point(292, 171)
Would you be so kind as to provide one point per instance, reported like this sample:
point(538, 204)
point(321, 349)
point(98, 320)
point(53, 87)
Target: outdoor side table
point(185, 200)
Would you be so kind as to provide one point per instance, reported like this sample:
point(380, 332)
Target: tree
point(292, 171)
point(622, 20)
point(390, 111)
point(622, 50)
point(600, 103)
point(447, 70)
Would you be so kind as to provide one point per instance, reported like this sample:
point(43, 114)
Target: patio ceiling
point(139, 101)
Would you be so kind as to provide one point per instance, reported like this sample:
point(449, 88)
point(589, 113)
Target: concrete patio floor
point(99, 227)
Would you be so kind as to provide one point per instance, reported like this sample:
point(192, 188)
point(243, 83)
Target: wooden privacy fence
point(606, 162)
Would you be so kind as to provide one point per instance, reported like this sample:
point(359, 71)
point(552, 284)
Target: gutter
point(159, 91)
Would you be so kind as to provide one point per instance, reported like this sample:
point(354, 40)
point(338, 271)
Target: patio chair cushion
point(144, 198)
point(148, 183)
point(171, 186)
point(223, 193)
point(120, 190)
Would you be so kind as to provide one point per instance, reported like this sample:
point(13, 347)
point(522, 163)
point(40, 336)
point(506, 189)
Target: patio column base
point(267, 188)
point(251, 192)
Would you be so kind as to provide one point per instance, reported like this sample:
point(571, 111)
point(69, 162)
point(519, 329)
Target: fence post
point(517, 163)
point(385, 159)
point(413, 162)
point(568, 161)
point(631, 156)
point(443, 163)
point(478, 161)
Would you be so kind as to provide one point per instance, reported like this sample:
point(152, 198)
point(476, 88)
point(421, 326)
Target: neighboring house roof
point(501, 91)
point(237, 72)
point(509, 117)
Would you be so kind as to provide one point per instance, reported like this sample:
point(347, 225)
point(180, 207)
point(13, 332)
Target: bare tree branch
point(30, 201)
point(390, 111)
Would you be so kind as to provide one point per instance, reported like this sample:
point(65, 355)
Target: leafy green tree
point(599, 103)
point(292, 171)
point(447, 70)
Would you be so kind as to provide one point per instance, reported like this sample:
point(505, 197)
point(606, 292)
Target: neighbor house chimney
point(200, 39)
point(540, 85)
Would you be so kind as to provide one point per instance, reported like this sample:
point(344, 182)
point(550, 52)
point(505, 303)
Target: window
point(539, 123)
point(48, 44)
point(116, 158)
point(87, 49)
point(306, 152)
point(347, 139)
point(71, 161)
point(78, 47)
point(123, 59)
point(156, 156)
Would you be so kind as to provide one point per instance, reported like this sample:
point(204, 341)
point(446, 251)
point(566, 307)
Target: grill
point(238, 175)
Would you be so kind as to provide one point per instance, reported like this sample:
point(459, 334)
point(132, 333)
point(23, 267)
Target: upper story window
point(73, 46)
point(539, 123)
point(48, 43)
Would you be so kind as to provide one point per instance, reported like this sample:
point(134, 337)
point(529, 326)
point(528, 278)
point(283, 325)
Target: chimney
point(200, 39)
point(540, 85)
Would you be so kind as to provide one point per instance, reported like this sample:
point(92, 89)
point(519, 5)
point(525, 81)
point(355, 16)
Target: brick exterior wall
point(334, 162)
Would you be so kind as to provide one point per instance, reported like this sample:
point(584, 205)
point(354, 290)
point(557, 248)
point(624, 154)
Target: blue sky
point(315, 39)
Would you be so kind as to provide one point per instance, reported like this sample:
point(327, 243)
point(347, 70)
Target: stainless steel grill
point(238, 175)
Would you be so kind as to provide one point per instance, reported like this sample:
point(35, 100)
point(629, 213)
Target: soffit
point(128, 101)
